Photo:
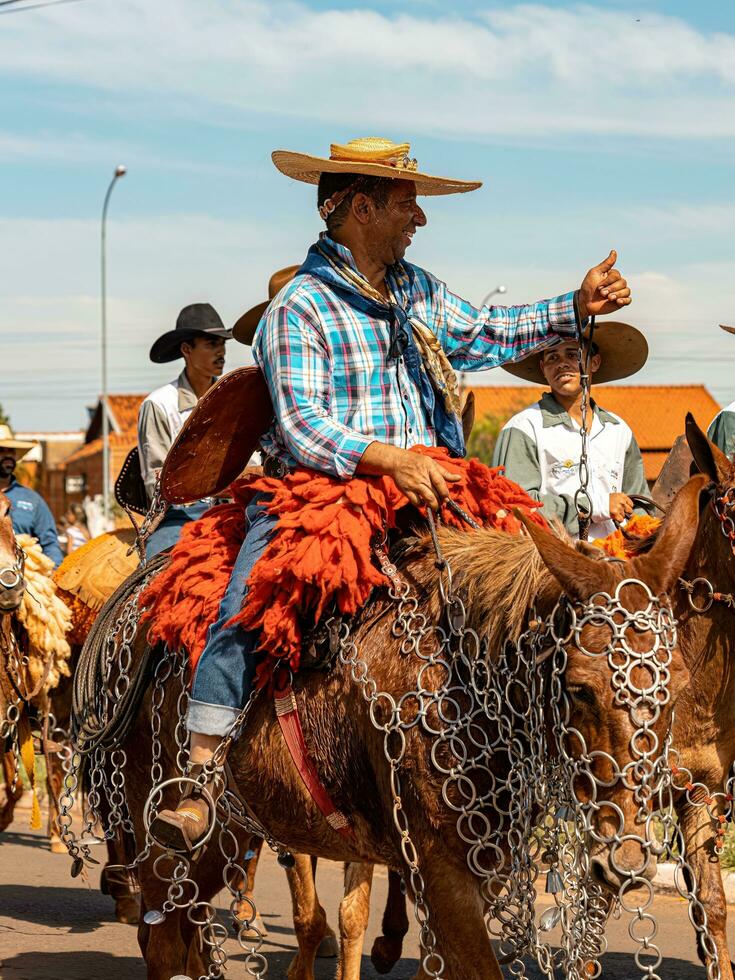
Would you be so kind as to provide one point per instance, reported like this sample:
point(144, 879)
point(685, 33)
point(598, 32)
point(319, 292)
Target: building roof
point(655, 413)
point(122, 412)
point(94, 447)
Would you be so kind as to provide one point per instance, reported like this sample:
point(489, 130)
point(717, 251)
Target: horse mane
point(500, 575)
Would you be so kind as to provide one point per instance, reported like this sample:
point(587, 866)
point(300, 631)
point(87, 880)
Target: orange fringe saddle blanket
point(320, 554)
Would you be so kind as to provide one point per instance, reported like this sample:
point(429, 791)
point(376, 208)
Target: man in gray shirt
point(722, 427)
point(199, 337)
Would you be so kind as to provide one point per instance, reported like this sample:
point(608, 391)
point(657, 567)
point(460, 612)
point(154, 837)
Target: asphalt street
point(53, 927)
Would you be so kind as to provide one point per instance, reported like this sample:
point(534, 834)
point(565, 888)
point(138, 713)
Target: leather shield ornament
point(218, 438)
point(129, 487)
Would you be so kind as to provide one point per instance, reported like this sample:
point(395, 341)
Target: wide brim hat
point(195, 319)
point(727, 329)
point(623, 348)
point(8, 440)
point(373, 157)
point(244, 330)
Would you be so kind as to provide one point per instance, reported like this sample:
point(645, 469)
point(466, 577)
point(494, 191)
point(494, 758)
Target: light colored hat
point(244, 329)
point(623, 348)
point(8, 440)
point(728, 329)
point(372, 156)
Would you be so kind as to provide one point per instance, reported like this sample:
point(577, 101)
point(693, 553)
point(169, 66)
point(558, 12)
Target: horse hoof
point(257, 930)
point(127, 910)
point(386, 952)
point(56, 845)
point(328, 948)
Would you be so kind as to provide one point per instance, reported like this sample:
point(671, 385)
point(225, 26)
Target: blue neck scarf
point(325, 263)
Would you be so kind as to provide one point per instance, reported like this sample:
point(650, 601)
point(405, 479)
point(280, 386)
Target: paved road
point(53, 927)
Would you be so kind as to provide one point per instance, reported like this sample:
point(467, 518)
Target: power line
point(15, 6)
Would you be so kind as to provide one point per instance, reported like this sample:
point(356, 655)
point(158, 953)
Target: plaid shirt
point(334, 390)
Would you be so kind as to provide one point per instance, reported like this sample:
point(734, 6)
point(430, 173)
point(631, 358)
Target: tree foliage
point(4, 418)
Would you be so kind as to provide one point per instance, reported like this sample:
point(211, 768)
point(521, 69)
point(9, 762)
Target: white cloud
point(526, 69)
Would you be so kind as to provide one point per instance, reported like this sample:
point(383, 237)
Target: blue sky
point(592, 125)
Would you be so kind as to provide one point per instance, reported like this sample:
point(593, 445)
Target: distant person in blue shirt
point(29, 512)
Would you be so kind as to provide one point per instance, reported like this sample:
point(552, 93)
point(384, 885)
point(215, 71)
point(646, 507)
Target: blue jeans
point(224, 676)
point(168, 531)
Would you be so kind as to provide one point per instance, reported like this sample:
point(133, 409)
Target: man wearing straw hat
point(29, 512)
point(359, 351)
point(540, 446)
point(722, 428)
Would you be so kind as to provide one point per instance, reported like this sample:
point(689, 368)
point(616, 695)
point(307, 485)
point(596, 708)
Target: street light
point(498, 289)
point(120, 171)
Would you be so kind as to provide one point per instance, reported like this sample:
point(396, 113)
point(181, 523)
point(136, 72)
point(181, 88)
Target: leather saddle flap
point(218, 438)
point(129, 487)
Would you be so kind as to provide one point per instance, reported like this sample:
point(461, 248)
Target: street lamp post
point(498, 289)
point(119, 172)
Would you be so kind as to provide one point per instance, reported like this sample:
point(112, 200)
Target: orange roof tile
point(124, 409)
point(95, 446)
point(655, 413)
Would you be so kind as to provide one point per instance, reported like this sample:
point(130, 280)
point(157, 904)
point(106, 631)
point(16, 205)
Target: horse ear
point(577, 574)
point(707, 457)
point(666, 561)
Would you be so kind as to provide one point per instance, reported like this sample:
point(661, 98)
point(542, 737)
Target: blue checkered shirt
point(334, 390)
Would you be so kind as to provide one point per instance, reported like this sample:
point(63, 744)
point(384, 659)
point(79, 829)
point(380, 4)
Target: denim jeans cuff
point(210, 719)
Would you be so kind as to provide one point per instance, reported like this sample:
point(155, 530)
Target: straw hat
point(195, 319)
point(728, 329)
point(244, 329)
point(8, 440)
point(623, 348)
point(372, 156)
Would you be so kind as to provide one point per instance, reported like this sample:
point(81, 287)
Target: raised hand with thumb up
point(603, 290)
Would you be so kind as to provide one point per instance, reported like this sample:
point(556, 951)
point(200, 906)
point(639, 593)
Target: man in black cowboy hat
point(722, 427)
point(199, 337)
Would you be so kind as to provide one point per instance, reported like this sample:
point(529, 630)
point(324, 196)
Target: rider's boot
point(184, 828)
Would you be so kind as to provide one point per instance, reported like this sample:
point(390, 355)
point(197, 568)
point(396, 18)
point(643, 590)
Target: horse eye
point(581, 694)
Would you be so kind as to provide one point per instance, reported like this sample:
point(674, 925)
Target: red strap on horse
point(287, 712)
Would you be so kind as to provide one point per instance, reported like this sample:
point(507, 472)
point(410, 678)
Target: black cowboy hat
point(196, 319)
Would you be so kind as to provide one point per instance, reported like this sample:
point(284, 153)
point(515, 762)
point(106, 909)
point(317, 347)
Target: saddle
point(218, 438)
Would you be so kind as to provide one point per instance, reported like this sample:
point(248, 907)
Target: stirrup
point(190, 825)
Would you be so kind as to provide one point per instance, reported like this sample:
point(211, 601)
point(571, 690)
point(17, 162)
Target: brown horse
point(500, 575)
point(704, 727)
point(703, 733)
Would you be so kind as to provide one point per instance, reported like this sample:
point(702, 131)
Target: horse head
point(12, 585)
point(717, 526)
point(618, 673)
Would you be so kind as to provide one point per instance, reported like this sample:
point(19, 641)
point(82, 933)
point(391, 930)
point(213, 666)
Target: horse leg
point(455, 916)
point(354, 912)
point(388, 947)
point(54, 784)
point(9, 796)
point(696, 827)
point(309, 918)
point(328, 948)
point(118, 883)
